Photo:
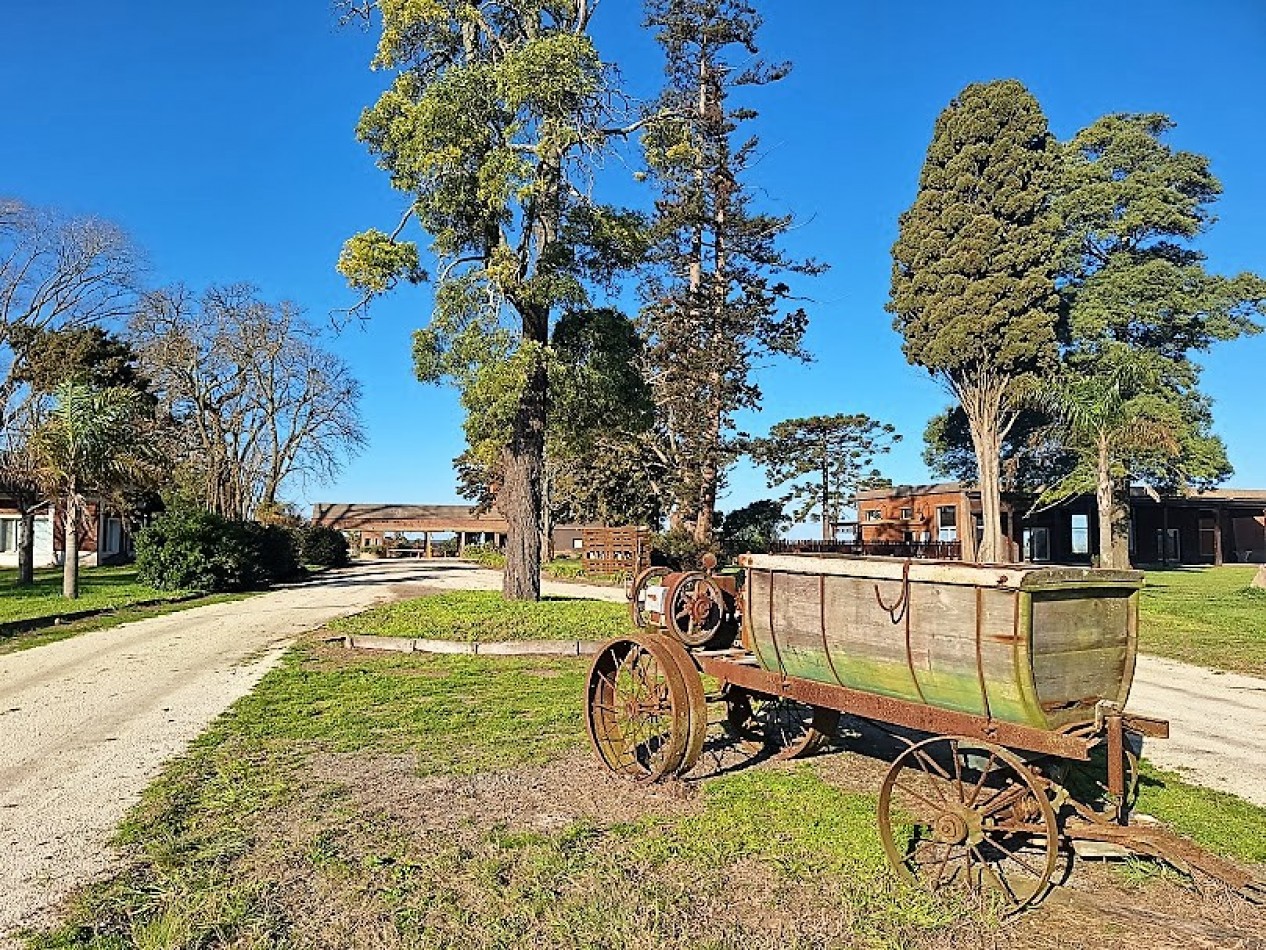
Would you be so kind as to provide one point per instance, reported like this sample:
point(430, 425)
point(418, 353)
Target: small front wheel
point(639, 709)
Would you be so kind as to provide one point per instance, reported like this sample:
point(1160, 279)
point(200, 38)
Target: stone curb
point(358, 641)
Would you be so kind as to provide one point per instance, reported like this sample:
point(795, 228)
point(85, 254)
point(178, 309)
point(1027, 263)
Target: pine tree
point(715, 292)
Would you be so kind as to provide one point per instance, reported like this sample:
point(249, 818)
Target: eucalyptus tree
point(496, 116)
point(93, 442)
point(1140, 304)
point(823, 461)
point(973, 279)
point(716, 298)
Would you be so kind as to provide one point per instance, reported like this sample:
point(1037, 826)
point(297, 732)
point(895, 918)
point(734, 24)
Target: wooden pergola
point(372, 523)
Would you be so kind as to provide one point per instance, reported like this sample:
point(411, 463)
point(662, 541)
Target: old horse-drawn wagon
point(1006, 685)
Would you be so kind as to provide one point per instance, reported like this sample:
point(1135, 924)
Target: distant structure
point(1223, 525)
point(377, 526)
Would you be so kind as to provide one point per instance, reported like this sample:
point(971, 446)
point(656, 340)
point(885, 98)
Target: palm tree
point(92, 442)
point(1107, 419)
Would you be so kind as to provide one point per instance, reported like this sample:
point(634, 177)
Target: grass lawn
point(99, 588)
point(1207, 616)
point(480, 616)
point(440, 801)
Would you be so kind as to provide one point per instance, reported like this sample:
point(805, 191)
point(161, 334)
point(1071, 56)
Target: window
point(8, 534)
point(874, 514)
point(907, 514)
point(111, 536)
point(1081, 534)
point(577, 544)
point(947, 523)
point(1167, 545)
point(1208, 536)
point(1037, 544)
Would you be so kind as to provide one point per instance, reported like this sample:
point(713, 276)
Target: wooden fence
point(616, 550)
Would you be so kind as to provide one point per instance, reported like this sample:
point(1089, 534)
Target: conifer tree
point(716, 300)
point(973, 279)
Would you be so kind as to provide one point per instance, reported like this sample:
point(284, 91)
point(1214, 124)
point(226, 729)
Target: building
point(104, 536)
point(378, 526)
point(1212, 527)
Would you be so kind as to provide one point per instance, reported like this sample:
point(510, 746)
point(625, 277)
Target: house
point(1210, 527)
point(104, 536)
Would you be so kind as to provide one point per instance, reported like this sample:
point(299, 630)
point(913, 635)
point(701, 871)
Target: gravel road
point(86, 723)
point(1217, 724)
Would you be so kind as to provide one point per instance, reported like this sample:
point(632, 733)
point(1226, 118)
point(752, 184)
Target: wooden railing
point(921, 550)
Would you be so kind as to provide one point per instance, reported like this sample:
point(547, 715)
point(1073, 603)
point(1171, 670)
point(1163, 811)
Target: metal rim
point(697, 699)
point(638, 708)
point(783, 728)
point(696, 609)
point(635, 591)
point(977, 817)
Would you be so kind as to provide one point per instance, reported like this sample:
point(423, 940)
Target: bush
point(679, 550)
point(565, 569)
point(324, 546)
point(188, 548)
point(486, 555)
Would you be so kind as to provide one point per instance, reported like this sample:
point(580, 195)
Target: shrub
point(324, 546)
point(486, 555)
point(679, 550)
point(189, 548)
point(565, 569)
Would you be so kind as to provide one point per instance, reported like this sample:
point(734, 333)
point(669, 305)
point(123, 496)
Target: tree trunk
point(1121, 524)
point(519, 499)
point(26, 548)
point(828, 529)
point(984, 424)
point(70, 569)
point(1104, 504)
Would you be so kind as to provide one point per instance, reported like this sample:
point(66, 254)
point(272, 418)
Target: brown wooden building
point(1212, 527)
point(104, 535)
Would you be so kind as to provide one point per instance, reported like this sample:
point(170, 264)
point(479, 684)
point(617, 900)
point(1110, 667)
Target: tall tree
point(57, 271)
point(754, 528)
point(256, 398)
point(495, 115)
point(1140, 303)
point(93, 442)
point(716, 296)
point(973, 280)
point(823, 461)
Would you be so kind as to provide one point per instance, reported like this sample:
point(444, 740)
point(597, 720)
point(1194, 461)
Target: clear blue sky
point(221, 135)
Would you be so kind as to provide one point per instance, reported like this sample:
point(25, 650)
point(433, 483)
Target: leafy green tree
point(973, 281)
point(92, 442)
point(823, 460)
point(754, 528)
point(491, 125)
point(716, 297)
point(1140, 303)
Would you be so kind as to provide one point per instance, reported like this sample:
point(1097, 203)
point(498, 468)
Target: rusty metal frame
point(899, 712)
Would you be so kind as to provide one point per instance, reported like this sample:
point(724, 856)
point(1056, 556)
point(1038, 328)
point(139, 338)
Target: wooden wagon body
point(1032, 646)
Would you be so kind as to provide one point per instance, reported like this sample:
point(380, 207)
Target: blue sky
point(221, 135)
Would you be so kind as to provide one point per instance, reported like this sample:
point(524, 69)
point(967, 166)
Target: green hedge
point(193, 549)
point(324, 546)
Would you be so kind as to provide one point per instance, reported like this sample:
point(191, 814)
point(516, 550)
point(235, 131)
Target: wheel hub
point(950, 828)
point(700, 608)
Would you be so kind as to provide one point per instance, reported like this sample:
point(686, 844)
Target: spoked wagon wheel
point(696, 609)
point(638, 708)
point(974, 814)
point(635, 591)
point(784, 728)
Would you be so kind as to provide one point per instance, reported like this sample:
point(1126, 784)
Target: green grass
point(16, 642)
point(283, 827)
point(101, 588)
point(237, 844)
point(1207, 616)
point(485, 617)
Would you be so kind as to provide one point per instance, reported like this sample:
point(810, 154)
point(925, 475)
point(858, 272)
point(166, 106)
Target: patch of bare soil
point(363, 811)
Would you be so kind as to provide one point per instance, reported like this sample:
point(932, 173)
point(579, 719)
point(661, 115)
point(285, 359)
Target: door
point(1167, 546)
point(44, 541)
point(1037, 544)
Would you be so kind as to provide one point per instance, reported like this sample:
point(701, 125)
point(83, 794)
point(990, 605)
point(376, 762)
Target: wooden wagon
point(1006, 684)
